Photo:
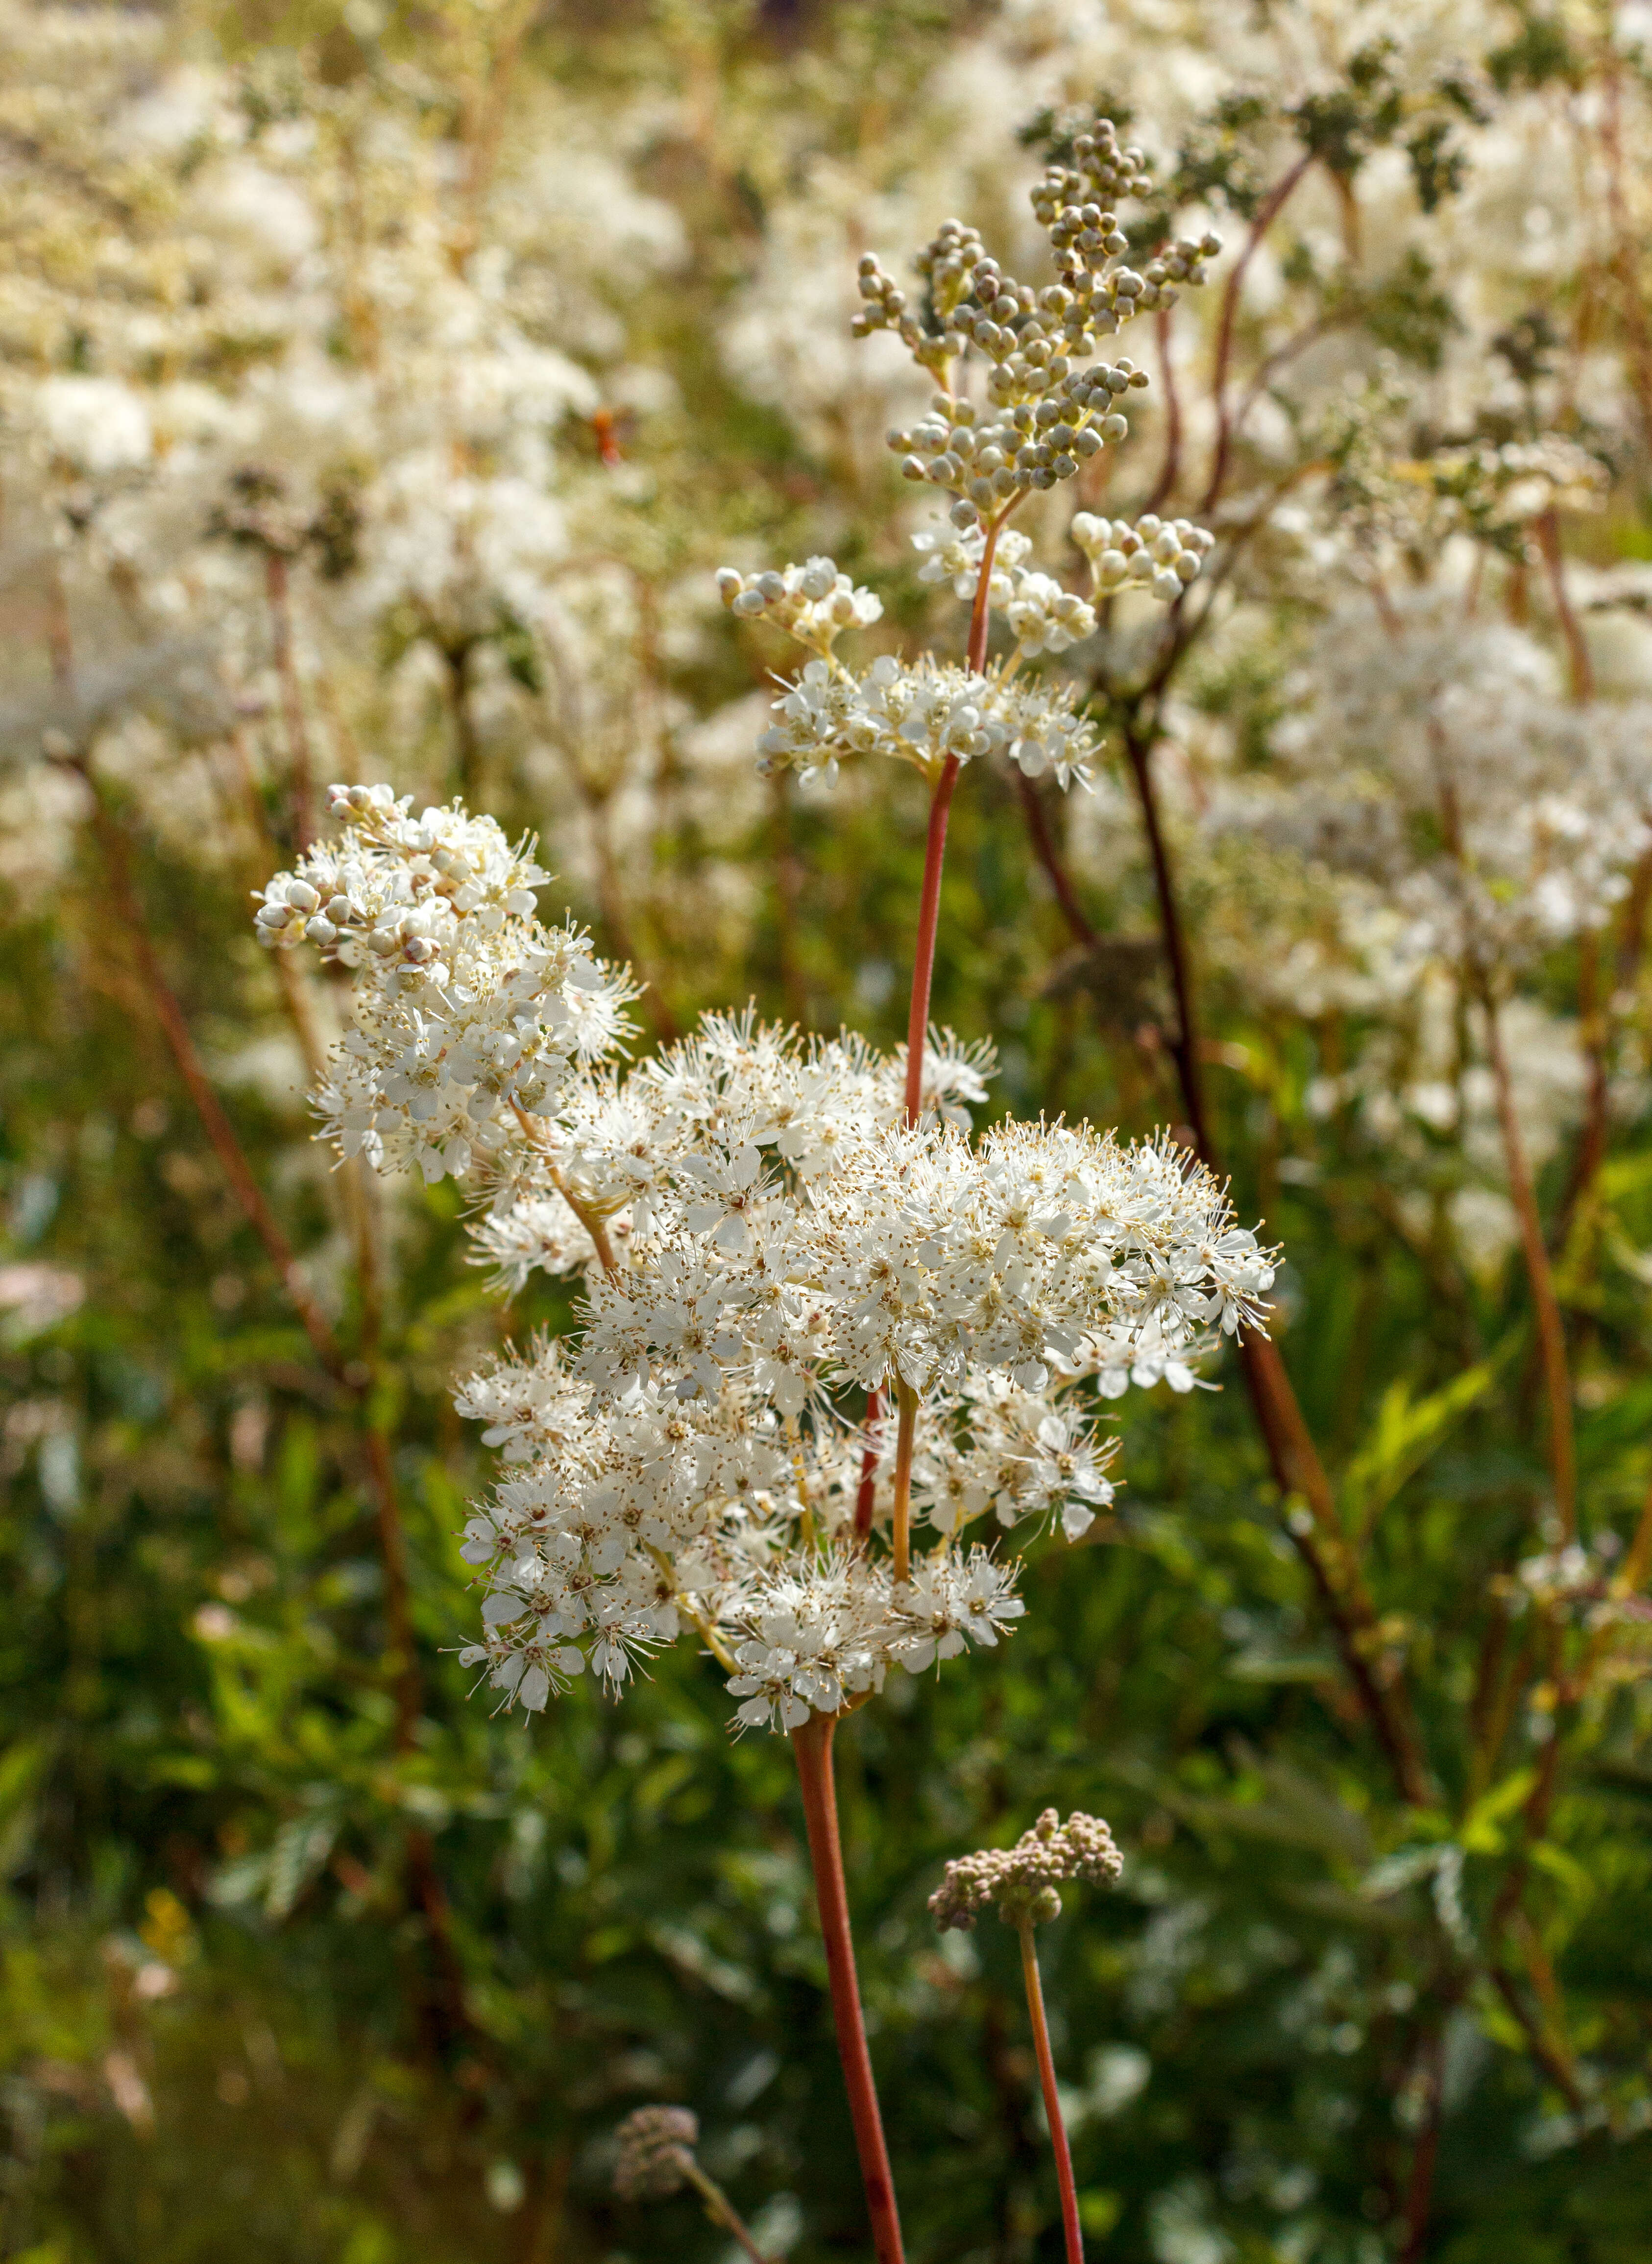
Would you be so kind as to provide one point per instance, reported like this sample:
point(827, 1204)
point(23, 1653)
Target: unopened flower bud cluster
point(1024, 1881)
point(1045, 415)
point(1160, 556)
point(813, 602)
point(654, 2151)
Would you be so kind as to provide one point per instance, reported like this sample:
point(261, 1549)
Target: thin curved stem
point(449, 2018)
point(279, 593)
point(1268, 212)
point(1293, 1456)
point(928, 920)
point(906, 1399)
point(935, 844)
point(1051, 2096)
point(1551, 1330)
point(722, 2210)
point(867, 1492)
point(590, 1219)
point(813, 1747)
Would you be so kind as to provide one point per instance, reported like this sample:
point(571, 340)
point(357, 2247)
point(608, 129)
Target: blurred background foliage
point(302, 1955)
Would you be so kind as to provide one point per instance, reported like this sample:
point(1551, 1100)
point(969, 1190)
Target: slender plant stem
point(935, 843)
point(1550, 1328)
point(1051, 2096)
point(928, 918)
point(722, 2210)
point(980, 611)
point(112, 849)
point(1292, 1458)
point(1420, 2190)
point(1044, 849)
point(466, 740)
point(813, 1747)
point(1595, 1026)
point(1639, 1559)
point(1627, 245)
point(1537, 2043)
point(448, 2019)
point(278, 590)
point(867, 1492)
point(1582, 665)
point(906, 1433)
point(1267, 213)
point(788, 891)
point(590, 1219)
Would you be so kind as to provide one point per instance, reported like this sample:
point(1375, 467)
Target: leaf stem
point(1293, 1456)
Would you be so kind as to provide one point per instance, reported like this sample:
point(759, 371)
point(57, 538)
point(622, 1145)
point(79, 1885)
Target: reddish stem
point(1292, 1453)
point(813, 1745)
point(1051, 2098)
point(1267, 213)
point(276, 588)
point(865, 1494)
point(1551, 1328)
point(1420, 2192)
point(906, 1435)
point(935, 847)
point(928, 918)
point(975, 658)
point(123, 901)
point(1577, 654)
point(448, 2017)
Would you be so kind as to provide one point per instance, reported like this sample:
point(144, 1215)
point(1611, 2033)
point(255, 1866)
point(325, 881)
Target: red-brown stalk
point(813, 1747)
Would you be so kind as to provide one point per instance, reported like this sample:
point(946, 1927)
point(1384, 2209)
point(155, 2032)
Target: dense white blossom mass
point(761, 1235)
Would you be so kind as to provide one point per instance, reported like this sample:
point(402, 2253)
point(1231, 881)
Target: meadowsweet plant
point(382, 407)
point(835, 1349)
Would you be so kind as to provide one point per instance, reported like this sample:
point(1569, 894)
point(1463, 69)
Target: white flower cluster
point(954, 554)
point(1043, 617)
point(468, 1013)
point(809, 1641)
point(1434, 756)
point(813, 602)
point(1159, 555)
point(914, 1254)
point(922, 713)
point(685, 1464)
point(761, 1230)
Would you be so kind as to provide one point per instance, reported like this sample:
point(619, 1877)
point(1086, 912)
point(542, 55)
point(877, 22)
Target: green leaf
point(1479, 1834)
point(1407, 1431)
